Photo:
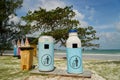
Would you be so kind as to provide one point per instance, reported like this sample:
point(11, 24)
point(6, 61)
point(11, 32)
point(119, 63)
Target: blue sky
point(103, 15)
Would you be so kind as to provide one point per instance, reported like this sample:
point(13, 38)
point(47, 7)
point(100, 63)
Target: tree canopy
point(87, 36)
point(44, 20)
point(7, 8)
point(57, 22)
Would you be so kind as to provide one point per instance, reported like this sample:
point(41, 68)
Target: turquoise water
point(110, 51)
point(101, 52)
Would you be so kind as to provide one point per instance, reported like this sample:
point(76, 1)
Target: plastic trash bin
point(15, 50)
point(46, 53)
point(26, 57)
point(34, 50)
point(74, 53)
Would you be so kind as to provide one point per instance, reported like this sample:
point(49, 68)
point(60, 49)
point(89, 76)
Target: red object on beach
point(18, 51)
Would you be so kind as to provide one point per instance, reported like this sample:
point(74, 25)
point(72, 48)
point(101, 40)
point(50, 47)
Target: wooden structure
point(62, 72)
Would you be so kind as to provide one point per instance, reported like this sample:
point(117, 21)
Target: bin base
point(48, 70)
point(74, 73)
point(15, 55)
point(61, 72)
point(28, 67)
point(19, 57)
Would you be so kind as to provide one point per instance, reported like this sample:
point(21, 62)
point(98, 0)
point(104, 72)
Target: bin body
point(15, 50)
point(74, 53)
point(18, 51)
point(34, 50)
point(46, 53)
point(26, 54)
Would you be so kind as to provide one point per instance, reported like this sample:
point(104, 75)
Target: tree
point(59, 18)
point(7, 8)
point(56, 23)
point(60, 35)
point(87, 36)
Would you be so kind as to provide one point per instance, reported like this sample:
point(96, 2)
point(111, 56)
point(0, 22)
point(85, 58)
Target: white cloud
point(109, 27)
point(23, 22)
point(109, 37)
point(83, 23)
point(87, 7)
point(79, 16)
point(102, 27)
point(30, 5)
point(90, 17)
point(118, 26)
point(47, 4)
point(105, 28)
point(109, 40)
point(52, 4)
point(90, 11)
point(14, 19)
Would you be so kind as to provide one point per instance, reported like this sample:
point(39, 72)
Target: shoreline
point(115, 57)
point(90, 56)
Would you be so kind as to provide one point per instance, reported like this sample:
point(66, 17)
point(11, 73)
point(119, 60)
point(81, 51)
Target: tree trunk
point(63, 43)
point(1, 52)
point(0, 26)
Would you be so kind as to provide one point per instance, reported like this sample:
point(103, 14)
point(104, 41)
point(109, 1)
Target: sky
point(103, 15)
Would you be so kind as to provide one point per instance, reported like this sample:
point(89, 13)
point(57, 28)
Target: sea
point(99, 51)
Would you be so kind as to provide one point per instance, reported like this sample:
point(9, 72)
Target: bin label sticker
point(46, 60)
point(75, 62)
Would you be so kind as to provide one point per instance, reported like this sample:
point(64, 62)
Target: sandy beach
point(102, 66)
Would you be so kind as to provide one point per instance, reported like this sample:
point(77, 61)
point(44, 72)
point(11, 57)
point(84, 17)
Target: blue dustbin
point(46, 53)
point(74, 53)
point(15, 50)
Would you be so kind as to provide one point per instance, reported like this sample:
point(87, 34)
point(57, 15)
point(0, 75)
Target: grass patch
point(108, 69)
point(10, 68)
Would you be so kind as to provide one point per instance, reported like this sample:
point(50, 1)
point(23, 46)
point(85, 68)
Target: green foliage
point(57, 22)
point(60, 35)
point(44, 20)
point(87, 36)
point(7, 7)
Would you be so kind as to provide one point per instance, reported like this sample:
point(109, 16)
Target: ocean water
point(105, 51)
point(110, 51)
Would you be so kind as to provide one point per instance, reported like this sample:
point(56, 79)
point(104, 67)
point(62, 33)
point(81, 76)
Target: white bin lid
point(46, 39)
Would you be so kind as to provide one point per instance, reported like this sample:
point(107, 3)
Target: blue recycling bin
point(74, 53)
point(46, 53)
